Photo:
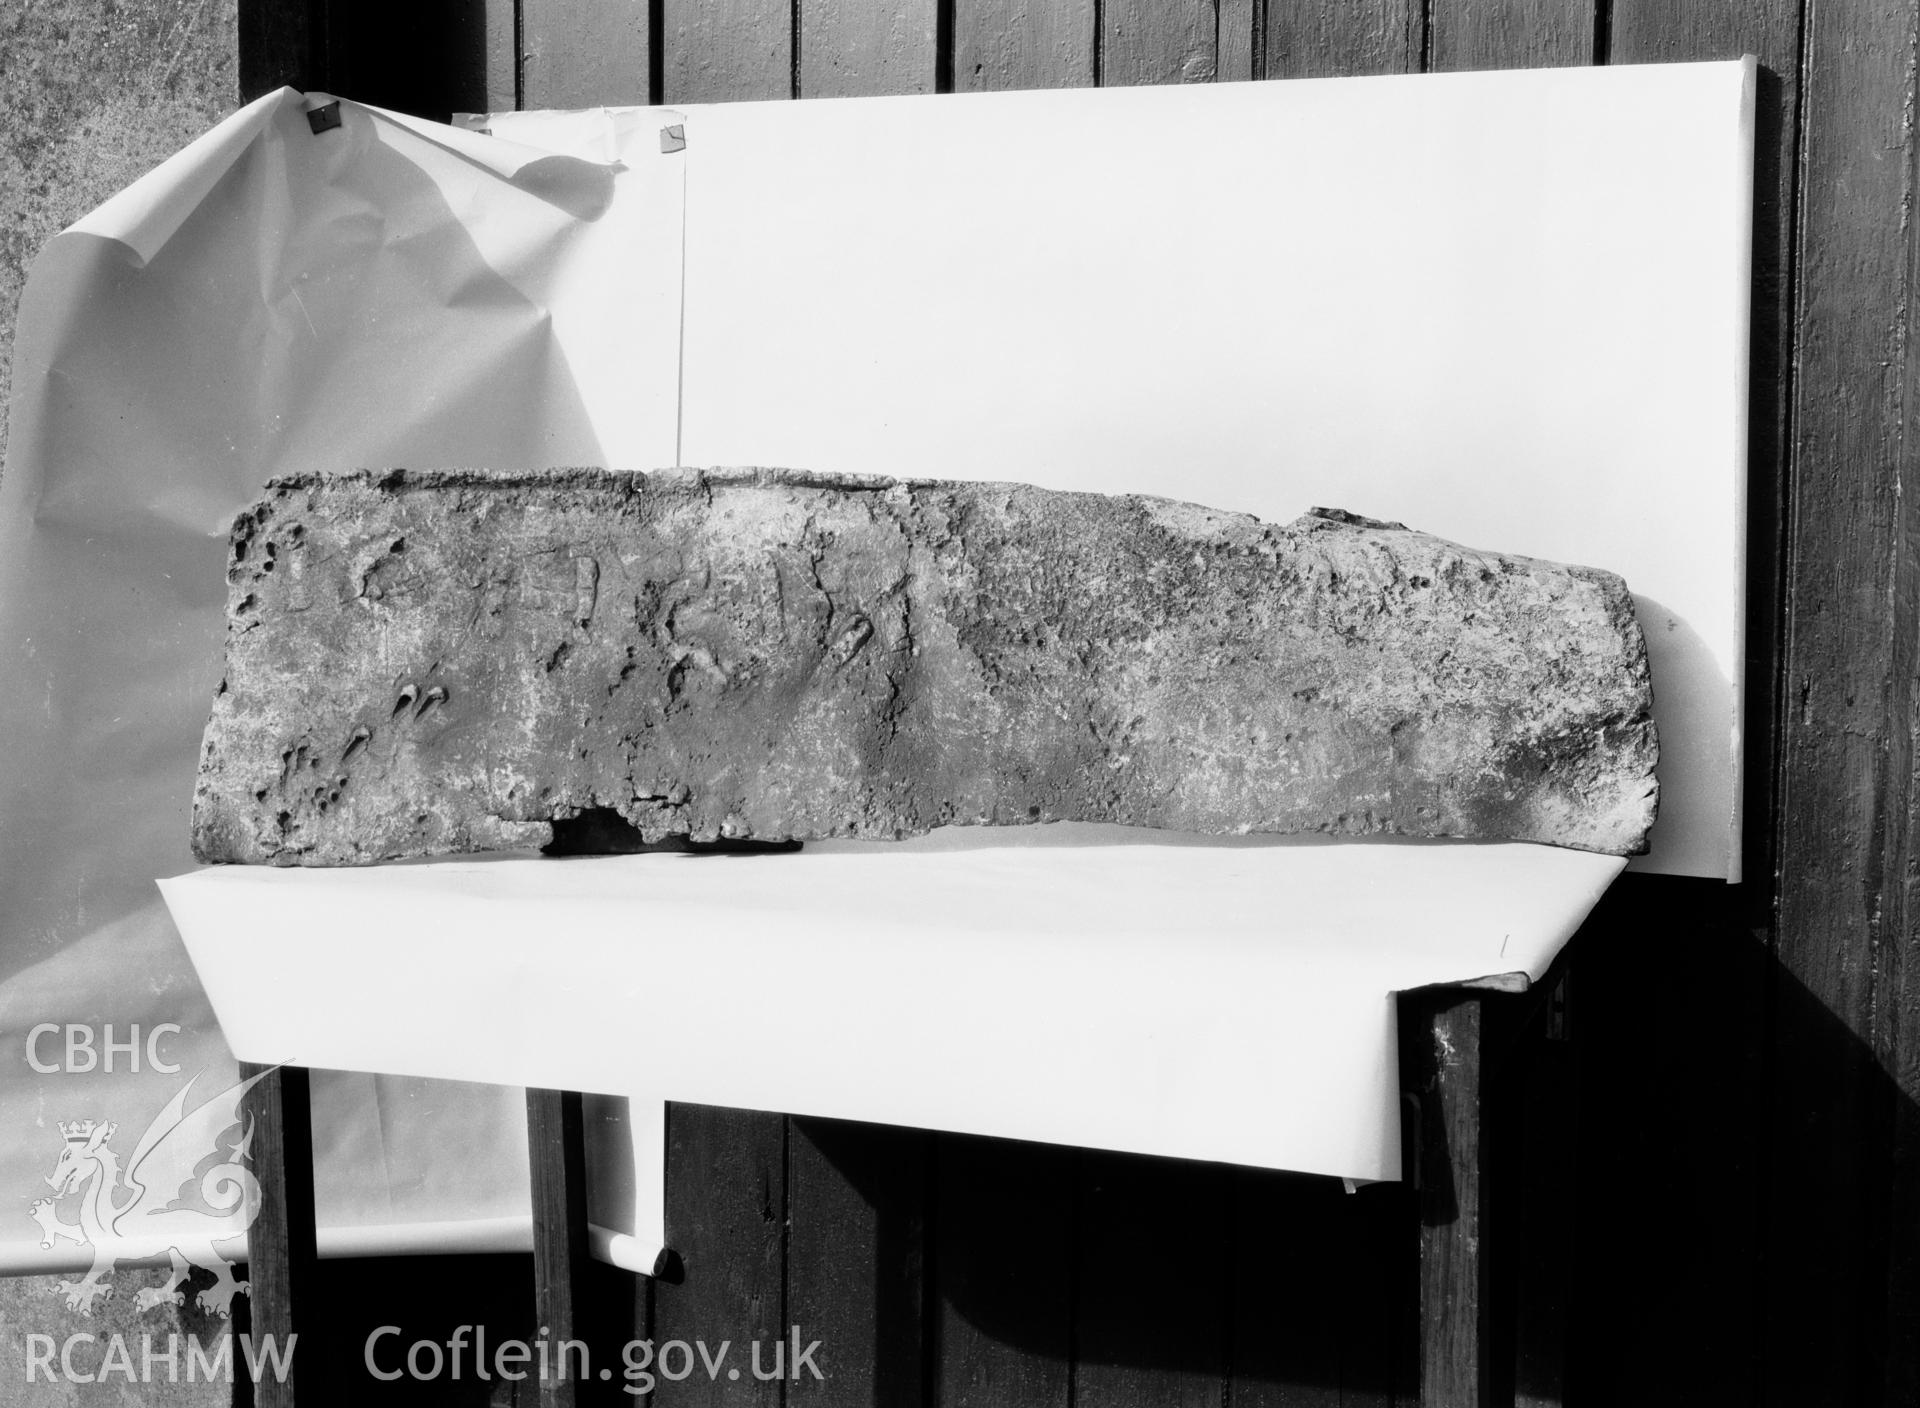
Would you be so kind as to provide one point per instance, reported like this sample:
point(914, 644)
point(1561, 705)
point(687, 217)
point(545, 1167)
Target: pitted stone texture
point(420, 664)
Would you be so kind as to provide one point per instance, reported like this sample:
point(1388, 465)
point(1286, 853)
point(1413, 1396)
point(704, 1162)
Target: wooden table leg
point(280, 1242)
point(1445, 1064)
point(557, 1162)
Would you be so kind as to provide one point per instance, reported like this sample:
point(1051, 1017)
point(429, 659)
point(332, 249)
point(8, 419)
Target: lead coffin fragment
point(425, 663)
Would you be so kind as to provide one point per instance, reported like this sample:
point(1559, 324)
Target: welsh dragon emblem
point(148, 1207)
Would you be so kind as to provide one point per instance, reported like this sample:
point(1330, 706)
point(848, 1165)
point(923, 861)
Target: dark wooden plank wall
point(1735, 1176)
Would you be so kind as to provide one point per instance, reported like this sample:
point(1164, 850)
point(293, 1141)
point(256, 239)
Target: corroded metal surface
point(429, 663)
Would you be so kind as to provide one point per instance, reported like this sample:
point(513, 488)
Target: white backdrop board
point(1508, 308)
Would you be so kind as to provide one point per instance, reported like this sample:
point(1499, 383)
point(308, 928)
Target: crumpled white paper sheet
point(394, 292)
point(269, 301)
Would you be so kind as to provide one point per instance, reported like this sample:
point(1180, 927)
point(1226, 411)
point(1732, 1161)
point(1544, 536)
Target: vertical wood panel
point(339, 54)
point(1236, 40)
point(1379, 1295)
point(1333, 39)
point(499, 62)
point(1543, 1205)
point(1483, 34)
point(583, 53)
point(1378, 1230)
point(726, 1219)
point(278, 43)
point(856, 1261)
point(1285, 1257)
point(865, 48)
point(1157, 41)
point(1002, 44)
point(1003, 1273)
point(1708, 1017)
point(1658, 31)
point(1150, 1317)
point(1847, 785)
point(717, 51)
point(1671, 1102)
point(1896, 1033)
point(431, 58)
